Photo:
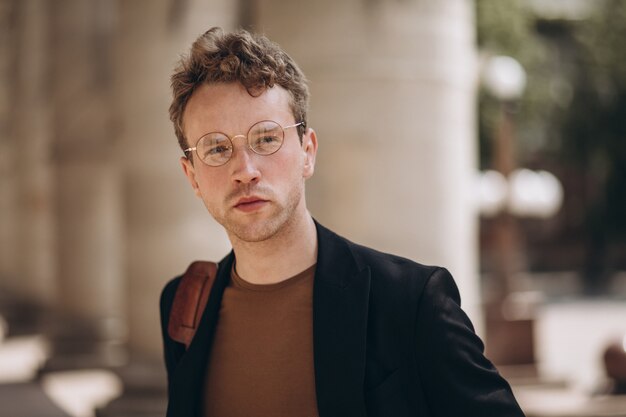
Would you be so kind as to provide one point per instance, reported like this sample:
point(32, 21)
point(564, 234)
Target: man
point(300, 321)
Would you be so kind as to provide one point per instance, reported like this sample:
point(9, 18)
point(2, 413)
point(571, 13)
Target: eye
point(218, 150)
point(214, 145)
point(266, 143)
point(265, 139)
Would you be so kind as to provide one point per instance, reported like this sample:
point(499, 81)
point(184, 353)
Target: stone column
point(27, 189)
point(393, 90)
point(8, 177)
point(89, 207)
point(166, 226)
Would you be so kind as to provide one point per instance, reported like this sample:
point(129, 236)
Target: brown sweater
point(261, 362)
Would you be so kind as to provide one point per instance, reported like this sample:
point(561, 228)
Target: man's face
point(253, 196)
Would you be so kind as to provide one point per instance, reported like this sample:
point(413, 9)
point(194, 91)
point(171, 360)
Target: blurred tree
point(571, 121)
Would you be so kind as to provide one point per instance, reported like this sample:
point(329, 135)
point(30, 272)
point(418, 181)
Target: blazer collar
point(340, 305)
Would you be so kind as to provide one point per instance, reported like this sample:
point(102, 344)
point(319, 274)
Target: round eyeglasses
point(264, 138)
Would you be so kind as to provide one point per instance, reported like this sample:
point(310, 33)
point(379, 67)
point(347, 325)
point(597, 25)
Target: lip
point(250, 203)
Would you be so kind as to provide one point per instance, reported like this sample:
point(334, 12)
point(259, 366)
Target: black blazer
point(389, 339)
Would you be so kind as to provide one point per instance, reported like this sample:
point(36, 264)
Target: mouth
point(248, 204)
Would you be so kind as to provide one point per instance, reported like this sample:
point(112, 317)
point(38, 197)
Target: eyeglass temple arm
point(297, 124)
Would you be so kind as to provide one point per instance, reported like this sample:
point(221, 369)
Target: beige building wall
point(8, 149)
point(88, 211)
point(27, 198)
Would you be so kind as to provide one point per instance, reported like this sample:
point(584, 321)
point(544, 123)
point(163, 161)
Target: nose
point(243, 163)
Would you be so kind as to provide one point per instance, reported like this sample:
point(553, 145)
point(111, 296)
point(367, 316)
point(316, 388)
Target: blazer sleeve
point(458, 380)
point(172, 350)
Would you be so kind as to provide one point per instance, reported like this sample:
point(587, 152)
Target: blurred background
point(487, 136)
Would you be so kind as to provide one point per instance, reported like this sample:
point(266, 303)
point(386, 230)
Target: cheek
point(208, 186)
point(294, 161)
point(289, 171)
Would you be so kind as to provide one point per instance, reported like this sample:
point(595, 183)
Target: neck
point(290, 251)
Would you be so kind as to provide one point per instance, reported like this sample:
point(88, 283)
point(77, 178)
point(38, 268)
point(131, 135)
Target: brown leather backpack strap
point(190, 300)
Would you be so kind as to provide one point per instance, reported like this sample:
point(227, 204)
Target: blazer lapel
point(188, 382)
point(340, 307)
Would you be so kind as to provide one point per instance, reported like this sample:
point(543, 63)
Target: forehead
point(229, 108)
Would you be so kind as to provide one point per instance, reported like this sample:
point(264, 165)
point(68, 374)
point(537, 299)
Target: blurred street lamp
point(526, 193)
point(493, 190)
point(504, 193)
point(534, 194)
point(508, 191)
point(504, 78)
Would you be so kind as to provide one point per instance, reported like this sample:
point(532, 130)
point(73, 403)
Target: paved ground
point(27, 400)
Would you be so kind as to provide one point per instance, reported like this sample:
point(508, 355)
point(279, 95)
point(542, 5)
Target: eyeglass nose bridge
point(246, 143)
point(232, 139)
point(247, 147)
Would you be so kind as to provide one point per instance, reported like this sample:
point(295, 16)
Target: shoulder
point(397, 282)
point(390, 265)
point(406, 298)
point(389, 261)
point(394, 270)
point(391, 275)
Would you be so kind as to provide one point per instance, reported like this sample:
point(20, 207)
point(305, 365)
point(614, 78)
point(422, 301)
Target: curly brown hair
point(250, 59)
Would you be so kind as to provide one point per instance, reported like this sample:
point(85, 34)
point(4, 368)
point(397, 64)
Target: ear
point(309, 146)
point(190, 173)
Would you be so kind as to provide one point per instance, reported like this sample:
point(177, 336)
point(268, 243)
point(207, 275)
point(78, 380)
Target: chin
point(256, 231)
